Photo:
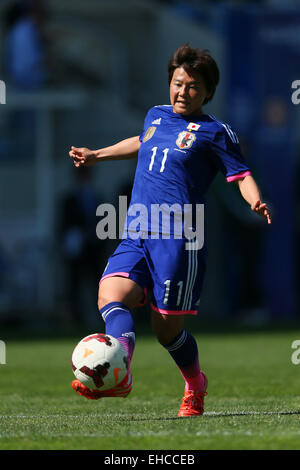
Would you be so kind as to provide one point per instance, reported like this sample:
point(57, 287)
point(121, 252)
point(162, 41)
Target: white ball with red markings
point(99, 361)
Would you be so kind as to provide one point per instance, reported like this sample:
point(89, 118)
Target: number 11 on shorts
point(167, 291)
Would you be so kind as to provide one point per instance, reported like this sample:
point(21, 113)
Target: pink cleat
point(121, 390)
point(193, 402)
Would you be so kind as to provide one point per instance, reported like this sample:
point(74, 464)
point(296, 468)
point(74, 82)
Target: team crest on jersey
point(185, 139)
point(149, 133)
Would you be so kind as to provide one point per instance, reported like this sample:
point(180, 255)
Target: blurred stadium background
point(84, 74)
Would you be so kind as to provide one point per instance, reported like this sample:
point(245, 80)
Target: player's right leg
point(121, 288)
point(117, 295)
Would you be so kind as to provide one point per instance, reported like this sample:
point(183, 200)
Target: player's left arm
point(251, 193)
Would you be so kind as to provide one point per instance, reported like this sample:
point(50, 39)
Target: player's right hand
point(83, 156)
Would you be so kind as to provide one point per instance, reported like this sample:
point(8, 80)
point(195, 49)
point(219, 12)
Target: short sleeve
point(227, 154)
point(141, 136)
point(146, 125)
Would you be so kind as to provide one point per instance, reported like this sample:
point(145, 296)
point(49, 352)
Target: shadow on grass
point(213, 414)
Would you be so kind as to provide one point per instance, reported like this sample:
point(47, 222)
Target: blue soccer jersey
point(177, 162)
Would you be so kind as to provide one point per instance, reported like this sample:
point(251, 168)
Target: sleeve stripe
point(231, 134)
point(238, 176)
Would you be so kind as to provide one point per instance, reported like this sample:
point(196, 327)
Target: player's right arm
point(123, 150)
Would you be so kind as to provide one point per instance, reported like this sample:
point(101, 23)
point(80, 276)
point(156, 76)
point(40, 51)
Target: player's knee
point(102, 300)
point(166, 328)
point(162, 338)
point(106, 295)
point(118, 289)
point(162, 333)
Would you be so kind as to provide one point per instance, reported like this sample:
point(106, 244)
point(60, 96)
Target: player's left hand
point(262, 209)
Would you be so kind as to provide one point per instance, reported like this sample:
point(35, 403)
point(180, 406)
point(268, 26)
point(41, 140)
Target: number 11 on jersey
point(163, 162)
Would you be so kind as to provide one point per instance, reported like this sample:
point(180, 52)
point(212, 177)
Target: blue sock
point(119, 323)
point(184, 351)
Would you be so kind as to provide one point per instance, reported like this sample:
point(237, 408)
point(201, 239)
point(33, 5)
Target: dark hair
point(196, 60)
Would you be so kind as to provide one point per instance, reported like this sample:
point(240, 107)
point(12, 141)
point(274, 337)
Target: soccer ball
point(99, 361)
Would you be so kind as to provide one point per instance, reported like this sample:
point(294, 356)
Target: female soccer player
point(180, 151)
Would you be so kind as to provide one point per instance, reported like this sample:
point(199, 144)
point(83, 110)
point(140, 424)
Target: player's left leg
point(182, 347)
point(178, 279)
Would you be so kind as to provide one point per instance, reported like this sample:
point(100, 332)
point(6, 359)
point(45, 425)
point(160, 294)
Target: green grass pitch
point(253, 398)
